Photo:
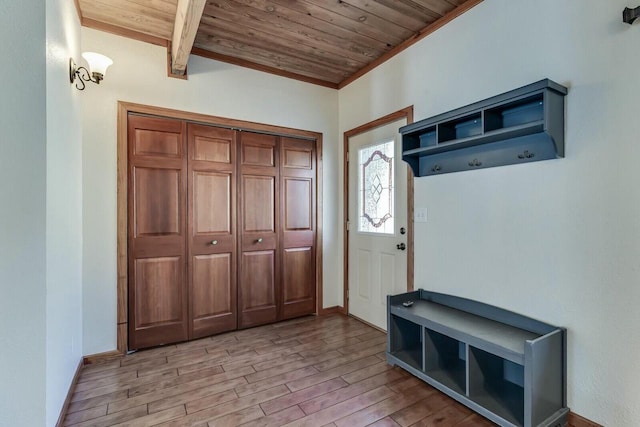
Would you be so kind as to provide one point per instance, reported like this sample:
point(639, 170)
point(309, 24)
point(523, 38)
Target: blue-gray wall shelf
point(520, 126)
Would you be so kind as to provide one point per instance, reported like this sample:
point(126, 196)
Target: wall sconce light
point(98, 65)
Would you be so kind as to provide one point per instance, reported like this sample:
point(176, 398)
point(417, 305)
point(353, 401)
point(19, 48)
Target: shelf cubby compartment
point(497, 384)
point(464, 127)
point(516, 113)
point(486, 133)
point(407, 342)
point(445, 360)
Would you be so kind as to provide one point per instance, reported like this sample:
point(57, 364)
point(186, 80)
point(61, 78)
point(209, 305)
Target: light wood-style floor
point(313, 371)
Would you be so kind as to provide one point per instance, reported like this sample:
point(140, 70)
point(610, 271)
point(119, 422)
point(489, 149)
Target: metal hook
point(629, 15)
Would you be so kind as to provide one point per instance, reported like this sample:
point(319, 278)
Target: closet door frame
point(126, 108)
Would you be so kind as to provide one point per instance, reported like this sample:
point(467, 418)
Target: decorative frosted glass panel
point(375, 186)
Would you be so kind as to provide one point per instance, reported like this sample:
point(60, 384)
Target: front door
point(377, 227)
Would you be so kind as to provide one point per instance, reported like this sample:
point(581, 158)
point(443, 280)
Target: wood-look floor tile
point(340, 395)
point(98, 367)
point(87, 414)
point(223, 392)
point(267, 383)
point(217, 361)
point(271, 360)
point(475, 420)
point(331, 373)
point(119, 417)
point(352, 333)
point(335, 412)
point(237, 404)
point(303, 395)
point(268, 348)
point(124, 383)
point(311, 371)
point(86, 383)
point(280, 369)
point(386, 407)
point(448, 416)
point(317, 347)
point(414, 413)
point(405, 383)
point(155, 418)
point(382, 356)
point(377, 342)
point(385, 422)
point(237, 418)
point(176, 390)
point(372, 334)
point(278, 419)
point(82, 405)
point(156, 365)
point(348, 358)
point(364, 373)
point(161, 383)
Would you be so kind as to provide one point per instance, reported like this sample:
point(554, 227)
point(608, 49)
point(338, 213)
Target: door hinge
point(347, 157)
point(348, 225)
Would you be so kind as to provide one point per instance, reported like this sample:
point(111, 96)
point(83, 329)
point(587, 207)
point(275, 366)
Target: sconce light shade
point(98, 63)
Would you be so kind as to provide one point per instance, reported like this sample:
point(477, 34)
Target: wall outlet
point(420, 215)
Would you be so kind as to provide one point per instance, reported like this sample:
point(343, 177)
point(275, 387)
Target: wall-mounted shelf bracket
point(629, 15)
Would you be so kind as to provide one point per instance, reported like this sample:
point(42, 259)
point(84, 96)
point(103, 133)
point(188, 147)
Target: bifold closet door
point(212, 230)
point(298, 207)
point(157, 169)
point(259, 277)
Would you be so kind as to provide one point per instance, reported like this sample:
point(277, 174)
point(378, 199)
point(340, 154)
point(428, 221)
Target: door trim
point(405, 113)
point(124, 108)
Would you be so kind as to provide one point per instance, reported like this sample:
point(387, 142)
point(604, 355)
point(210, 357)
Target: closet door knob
point(259, 240)
point(215, 242)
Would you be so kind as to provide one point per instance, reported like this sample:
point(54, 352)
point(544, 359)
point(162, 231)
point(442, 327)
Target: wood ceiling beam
point(188, 15)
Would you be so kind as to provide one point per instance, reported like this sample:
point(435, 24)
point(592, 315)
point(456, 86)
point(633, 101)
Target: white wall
point(139, 75)
point(555, 240)
point(22, 213)
point(64, 206)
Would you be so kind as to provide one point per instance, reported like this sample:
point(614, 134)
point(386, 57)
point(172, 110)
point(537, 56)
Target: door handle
point(259, 240)
point(401, 246)
point(215, 242)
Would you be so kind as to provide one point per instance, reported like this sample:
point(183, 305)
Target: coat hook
point(630, 15)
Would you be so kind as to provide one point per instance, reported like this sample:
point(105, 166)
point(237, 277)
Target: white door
point(377, 221)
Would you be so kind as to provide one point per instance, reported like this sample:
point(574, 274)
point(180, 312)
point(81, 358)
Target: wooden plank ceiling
point(327, 42)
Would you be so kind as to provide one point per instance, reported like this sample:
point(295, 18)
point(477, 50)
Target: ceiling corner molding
point(187, 21)
point(410, 42)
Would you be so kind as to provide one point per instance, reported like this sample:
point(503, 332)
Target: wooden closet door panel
point(258, 150)
point(259, 204)
point(298, 275)
point(258, 304)
point(259, 286)
point(213, 305)
point(212, 203)
point(159, 299)
point(297, 171)
point(212, 225)
point(156, 215)
point(157, 193)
